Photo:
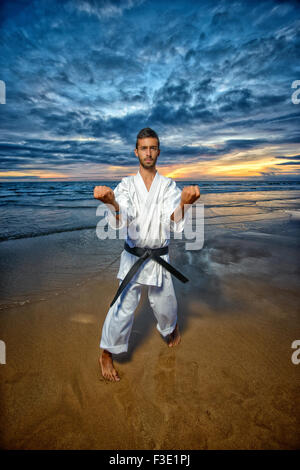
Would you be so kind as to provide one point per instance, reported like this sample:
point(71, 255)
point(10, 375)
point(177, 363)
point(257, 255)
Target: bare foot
point(107, 367)
point(174, 338)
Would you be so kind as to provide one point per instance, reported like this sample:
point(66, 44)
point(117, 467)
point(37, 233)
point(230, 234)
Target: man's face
point(147, 152)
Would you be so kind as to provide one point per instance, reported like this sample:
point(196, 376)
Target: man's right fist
point(104, 194)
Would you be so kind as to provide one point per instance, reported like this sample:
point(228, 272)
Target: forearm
point(114, 207)
point(179, 212)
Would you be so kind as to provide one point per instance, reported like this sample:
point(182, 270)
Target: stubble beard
point(148, 165)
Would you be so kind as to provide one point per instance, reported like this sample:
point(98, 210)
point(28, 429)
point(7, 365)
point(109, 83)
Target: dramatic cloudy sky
point(213, 78)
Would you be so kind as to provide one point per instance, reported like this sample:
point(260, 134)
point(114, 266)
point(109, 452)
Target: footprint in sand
point(175, 377)
point(189, 381)
point(165, 376)
point(136, 415)
point(72, 396)
point(124, 397)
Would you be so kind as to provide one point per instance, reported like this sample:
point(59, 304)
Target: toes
point(116, 377)
point(111, 376)
point(106, 376)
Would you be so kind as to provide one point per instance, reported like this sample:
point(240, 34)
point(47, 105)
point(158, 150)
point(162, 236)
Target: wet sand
point(230, 384)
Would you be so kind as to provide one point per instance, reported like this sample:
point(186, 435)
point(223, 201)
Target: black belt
point(143, 254)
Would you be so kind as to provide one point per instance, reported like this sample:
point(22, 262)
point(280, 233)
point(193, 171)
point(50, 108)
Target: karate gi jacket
point(148, 222)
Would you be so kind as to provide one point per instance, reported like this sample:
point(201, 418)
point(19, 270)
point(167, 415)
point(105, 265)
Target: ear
point(136, 153)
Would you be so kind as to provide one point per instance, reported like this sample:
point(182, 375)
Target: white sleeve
point(172, 198)
point(127, 209)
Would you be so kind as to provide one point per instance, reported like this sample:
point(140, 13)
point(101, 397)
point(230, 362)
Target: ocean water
point(31, 209)
point(48, 240)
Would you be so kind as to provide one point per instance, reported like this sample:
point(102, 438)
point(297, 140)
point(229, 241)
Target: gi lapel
point(148, 195)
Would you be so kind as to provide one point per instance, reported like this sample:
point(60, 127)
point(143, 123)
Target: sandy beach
point(116, 118)
point(230, 384)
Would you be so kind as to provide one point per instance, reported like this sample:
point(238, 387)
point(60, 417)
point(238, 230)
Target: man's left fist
point(190, 194)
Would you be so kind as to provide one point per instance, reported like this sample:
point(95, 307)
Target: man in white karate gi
point(149, 205)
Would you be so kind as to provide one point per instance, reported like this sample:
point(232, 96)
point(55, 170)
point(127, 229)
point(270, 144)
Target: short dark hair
point(146, 132)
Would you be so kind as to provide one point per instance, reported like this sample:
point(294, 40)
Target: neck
point(147, 173)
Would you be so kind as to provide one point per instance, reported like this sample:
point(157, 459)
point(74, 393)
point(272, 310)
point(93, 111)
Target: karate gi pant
point(119, 319)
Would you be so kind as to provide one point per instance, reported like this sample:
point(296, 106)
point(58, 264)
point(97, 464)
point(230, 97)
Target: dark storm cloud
point(294, 157)
point(37, 153)
point(288, 163)
point(105, 69)
point(292, 160)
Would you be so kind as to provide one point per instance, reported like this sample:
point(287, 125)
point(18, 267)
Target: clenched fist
point(190, 194)
point(104, 194)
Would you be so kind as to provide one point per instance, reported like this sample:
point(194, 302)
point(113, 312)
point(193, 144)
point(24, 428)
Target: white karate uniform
point(149, 225)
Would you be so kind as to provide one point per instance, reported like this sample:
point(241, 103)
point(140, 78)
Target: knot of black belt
point(143, 254)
